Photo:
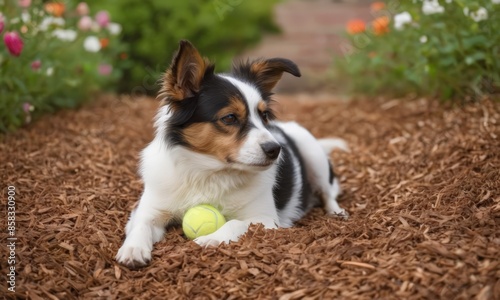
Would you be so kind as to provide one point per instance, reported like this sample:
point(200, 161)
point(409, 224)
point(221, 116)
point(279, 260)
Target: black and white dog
point(217, 143)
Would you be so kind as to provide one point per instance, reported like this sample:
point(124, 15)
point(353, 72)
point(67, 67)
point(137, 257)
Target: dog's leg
point(259, 208)
point(145, 227)
point(330, 193)
point(232, 231)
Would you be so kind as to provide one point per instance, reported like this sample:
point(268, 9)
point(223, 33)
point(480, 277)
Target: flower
point(49, 21)
point(377, 6)
point(13, 42)
point(66, 35)
point(105, 69)
point(381, 25)
point(25, 17)
point(495, 1)
point(479, 15)
point(432, 7)
point(104, 42)
point(24, 3)
point(27, 107)
point(35, 65)
point(92, 44)
point(102, 18)
point(82, 9)
point(423, 39)
point(401, 19)
point(85, 23)
point(2, 22)
point(50, 71)
point(114, 28)
point(55, 8)
point(356, 26)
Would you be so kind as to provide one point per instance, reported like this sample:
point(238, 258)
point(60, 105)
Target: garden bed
point(422, 186)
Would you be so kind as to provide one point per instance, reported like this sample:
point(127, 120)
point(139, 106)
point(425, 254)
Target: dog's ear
point(265, 73)
point(185, 74)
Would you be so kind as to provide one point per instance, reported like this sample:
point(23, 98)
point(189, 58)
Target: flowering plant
point(443, 48)
point(52, 56)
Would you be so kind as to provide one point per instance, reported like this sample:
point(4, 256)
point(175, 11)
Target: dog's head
point(226, 116)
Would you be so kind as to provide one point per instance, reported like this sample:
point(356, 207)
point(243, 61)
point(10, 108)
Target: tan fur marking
point(190, 68)
point(207, 139)
point(270, 80)
point(262, 106)
point(236, 107)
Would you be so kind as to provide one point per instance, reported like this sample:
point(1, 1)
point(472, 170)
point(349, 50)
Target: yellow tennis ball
point(202, 220)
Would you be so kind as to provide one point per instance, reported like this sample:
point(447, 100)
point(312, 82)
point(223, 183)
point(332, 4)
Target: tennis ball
point(202, 220)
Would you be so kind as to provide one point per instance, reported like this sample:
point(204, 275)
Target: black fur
point(332, 173)
point(283, 186)
point(215, 94)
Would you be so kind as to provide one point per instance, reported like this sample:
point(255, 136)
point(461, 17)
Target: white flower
point(49, 71)
point(401, 19)
point(423, 39)
point(479, 15)
point(495, 1)
point(432, 7)
point(114, 28)
point(66, 35)
point(26, 17)
point(448, 1)
point(48, 21)
point(92, 44)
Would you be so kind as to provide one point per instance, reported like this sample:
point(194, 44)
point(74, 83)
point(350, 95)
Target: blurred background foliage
point(220, 29)
point(444, 49)
point(56, 54)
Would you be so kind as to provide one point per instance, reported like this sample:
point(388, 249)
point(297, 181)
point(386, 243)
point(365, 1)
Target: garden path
point(310, 36)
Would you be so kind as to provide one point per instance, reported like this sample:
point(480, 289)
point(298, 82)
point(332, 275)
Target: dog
point(217, 142)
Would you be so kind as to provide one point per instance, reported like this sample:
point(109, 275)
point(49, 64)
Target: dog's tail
point(330, 144)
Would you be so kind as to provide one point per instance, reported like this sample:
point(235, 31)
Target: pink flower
point(2, 22)
point(27, 107)
point(24, 3)
point(36, 64)
point(102, 18)
point(82, 9)
point(85, 23)
point(105, 69)
point(13, 42)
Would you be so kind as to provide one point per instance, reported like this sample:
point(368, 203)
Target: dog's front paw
point(342, 213)
point(133, 257)
point(211, 240)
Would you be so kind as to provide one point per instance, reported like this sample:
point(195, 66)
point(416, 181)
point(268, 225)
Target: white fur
point(176, 179)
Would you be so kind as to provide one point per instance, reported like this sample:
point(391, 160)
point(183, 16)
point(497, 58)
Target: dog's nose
point(271, 149)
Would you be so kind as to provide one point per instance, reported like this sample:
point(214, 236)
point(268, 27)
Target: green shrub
point(447, 49)
point(50, 68)
point(220, 29)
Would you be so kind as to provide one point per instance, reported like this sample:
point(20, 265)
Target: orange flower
point(55, 8)
point(123, 56)
point(104, 42)
point(356, 26)
point(381, 25)
point(377, 6)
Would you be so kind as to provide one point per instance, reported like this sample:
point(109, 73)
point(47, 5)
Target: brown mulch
point(422, 185)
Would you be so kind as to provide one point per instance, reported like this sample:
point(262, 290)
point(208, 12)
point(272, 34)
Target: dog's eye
point(229, 119)
point(266, 116)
